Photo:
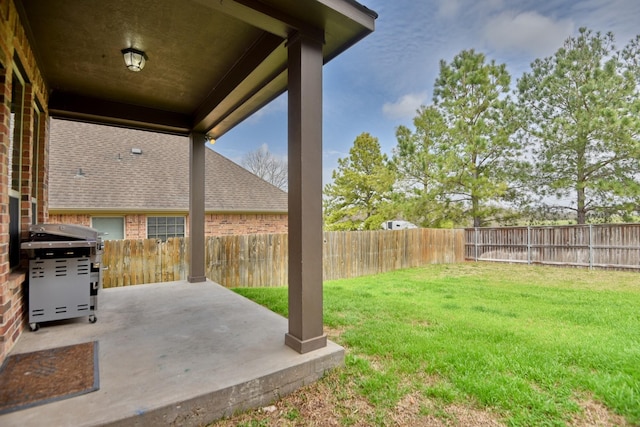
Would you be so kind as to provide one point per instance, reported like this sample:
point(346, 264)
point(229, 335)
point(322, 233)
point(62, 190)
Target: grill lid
point(62, 239)
point(54, 232)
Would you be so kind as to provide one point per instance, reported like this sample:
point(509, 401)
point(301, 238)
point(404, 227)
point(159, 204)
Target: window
point(15, 166)
point(164, 227)
point(35, 167)
point(112, 227)
point(15, 128)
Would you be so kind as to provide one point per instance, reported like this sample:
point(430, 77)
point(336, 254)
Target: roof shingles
point(115, 179)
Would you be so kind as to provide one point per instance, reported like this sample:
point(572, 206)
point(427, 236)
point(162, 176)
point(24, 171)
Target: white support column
point(196, 207)
point(305, 195)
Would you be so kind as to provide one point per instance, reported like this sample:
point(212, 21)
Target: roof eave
point(134, 211)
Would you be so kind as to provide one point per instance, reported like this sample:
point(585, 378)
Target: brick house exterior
point(215, 224)
point(115, 174)
point(23, 163)
point(64, 60)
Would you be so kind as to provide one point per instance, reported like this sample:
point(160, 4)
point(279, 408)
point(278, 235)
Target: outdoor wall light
point(134, 59)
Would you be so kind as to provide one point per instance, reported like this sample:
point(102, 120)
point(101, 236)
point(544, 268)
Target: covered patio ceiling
point(211, 63)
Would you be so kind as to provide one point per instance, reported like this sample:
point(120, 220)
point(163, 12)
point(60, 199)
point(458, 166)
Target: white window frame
point(166, 235)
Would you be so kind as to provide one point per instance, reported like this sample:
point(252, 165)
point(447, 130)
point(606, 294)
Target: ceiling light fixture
point(134, 59)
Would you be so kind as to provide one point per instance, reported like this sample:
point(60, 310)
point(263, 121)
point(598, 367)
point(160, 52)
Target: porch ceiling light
point(134, 59)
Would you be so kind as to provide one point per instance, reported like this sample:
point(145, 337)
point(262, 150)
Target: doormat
point(45, 376)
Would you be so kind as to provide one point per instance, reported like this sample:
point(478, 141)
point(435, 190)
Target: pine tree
point(582, 107)
point(461, 161)
point(361, 188)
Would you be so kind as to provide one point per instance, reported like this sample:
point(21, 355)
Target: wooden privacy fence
point(262, 259)
point(613, 246)
point(359, 253)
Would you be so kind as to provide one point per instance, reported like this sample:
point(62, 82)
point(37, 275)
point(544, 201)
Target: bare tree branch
point(267, 166)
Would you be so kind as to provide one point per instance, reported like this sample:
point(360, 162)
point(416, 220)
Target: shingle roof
point(113, 178)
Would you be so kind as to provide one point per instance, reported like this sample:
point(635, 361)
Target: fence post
point(476, 244)
point(590, 246)
point(528, 245)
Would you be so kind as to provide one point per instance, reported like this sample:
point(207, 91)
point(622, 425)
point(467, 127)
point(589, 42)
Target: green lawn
point(529, 345)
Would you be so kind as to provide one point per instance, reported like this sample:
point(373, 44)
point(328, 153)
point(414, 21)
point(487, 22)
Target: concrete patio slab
point(175, 353)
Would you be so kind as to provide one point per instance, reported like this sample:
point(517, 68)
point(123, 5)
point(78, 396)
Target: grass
point(527, 344)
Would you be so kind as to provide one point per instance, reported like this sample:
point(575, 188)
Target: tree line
point(565, 141)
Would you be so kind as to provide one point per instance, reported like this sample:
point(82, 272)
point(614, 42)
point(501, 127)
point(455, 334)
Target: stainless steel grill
point(64, 272)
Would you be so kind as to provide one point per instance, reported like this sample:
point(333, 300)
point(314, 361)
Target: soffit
point(212, 63)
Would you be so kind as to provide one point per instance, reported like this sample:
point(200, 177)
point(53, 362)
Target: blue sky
point(380, 82)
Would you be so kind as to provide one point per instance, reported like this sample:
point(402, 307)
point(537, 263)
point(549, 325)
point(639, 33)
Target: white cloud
point(527, 32)
point(448, 8)
point(454, 8)
point(333, 154)
point(405, 107)
point(619, 16)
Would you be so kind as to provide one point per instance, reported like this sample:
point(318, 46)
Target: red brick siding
point(43, 168)
point(5, 111)
point(14, 43)
point(230, 224)
point(12, 308)
point(70, 219)
point(135, 227)
point(215, 224)
point(27, 154)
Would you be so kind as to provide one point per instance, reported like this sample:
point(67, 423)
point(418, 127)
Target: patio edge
point(254, 393)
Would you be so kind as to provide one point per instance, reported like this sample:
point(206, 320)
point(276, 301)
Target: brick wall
point(42, 189)
point(26, 178)
point(5, 99)
point(12, 308)
point(215, 224)
point(135, 227)
point(233, 224)
point(81, 219)
point(14, 44)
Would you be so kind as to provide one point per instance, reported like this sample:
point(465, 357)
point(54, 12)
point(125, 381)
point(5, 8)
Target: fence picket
point(613, 246)
point(262, 260)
